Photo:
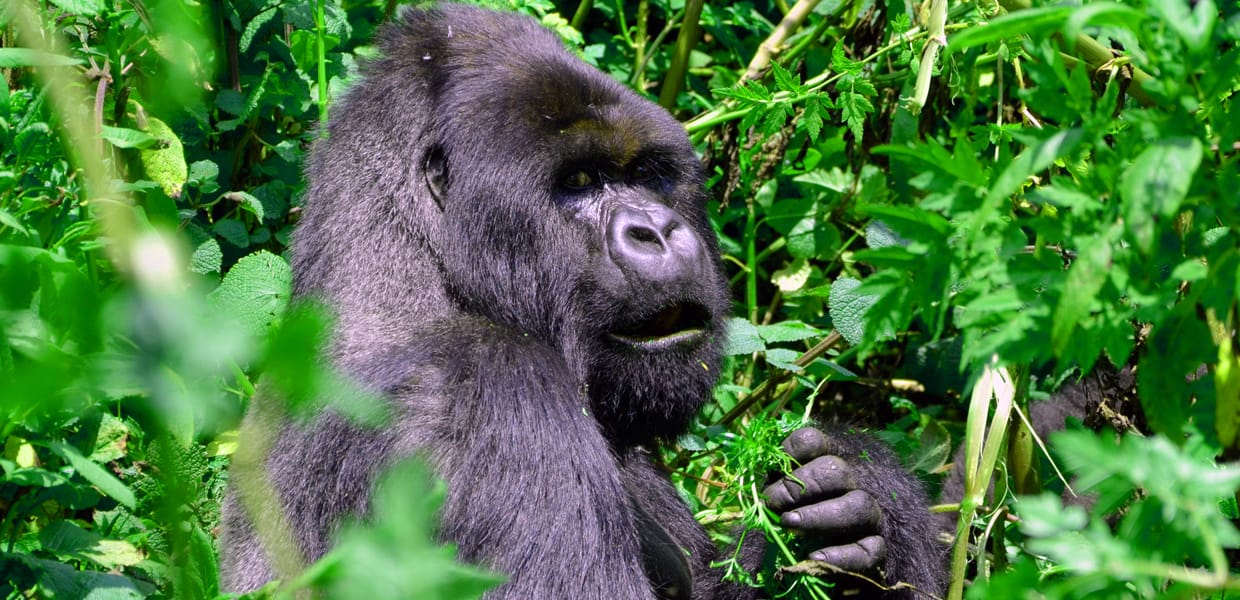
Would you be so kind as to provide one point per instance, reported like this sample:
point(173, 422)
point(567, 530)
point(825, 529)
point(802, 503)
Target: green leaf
point(255, 291)
point(1160, 176)
point(785, 80)
point(1086, 277)
point(908, 222)
point(8, 220)
point(848, 309)
point(880, 235)
point(16, 58)
point(92, 472)
point(812, 116)
point(748, 92)
point(67, 539)
point(784, 359)
point(58, 581)
point(742, 338)
point(787, 331)
point(88, 8)
point(248, 202)
point(393, 554)
point(233, 231)
point(1036, 22)
point(123, 137)
point(1194, 28)
point(207, 256)
point(692, 443)
point(1106, 13)
point(854, 108)
point(1190, 270)
point(842, 64)
point(165, 163)
point(793, 277)
point(1032, 160)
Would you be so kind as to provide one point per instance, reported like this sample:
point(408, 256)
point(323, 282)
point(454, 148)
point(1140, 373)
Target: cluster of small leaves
point(1143, 485)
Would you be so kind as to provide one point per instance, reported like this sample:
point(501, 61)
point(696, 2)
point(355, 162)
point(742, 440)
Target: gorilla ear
point(436, 172)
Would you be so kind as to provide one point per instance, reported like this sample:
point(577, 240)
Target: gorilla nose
point(653, 243)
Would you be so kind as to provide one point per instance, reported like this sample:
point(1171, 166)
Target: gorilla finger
point(853, 513)
point(822, 477)
point(806, 444)
point(863, 555)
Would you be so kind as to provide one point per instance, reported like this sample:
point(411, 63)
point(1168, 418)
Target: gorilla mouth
point(682, 323)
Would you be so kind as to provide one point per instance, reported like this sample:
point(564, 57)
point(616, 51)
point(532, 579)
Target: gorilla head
point(552, 201)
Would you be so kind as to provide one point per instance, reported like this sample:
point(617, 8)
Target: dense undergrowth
point(931, 214)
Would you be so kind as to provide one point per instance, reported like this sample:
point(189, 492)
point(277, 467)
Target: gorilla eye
point(642, 172)
point(577, 180)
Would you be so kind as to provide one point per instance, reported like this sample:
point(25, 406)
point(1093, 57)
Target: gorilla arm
point(852, 494)
point(534, 491)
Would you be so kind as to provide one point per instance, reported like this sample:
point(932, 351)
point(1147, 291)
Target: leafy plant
point(911, 201)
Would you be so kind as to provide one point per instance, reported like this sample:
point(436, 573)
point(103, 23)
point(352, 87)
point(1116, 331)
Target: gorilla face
point(588, 212)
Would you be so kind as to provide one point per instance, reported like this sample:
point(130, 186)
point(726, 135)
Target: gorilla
point(518, 254)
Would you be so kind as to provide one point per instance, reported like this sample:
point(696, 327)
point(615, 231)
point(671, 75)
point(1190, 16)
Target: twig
point(685, 41)
point(774, 42)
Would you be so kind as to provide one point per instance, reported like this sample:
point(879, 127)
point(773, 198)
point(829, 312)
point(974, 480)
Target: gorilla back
point(517, 252)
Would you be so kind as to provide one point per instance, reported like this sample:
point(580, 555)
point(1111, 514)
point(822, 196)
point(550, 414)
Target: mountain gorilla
point(518, 253)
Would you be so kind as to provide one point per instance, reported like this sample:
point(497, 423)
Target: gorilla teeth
point(677, 324)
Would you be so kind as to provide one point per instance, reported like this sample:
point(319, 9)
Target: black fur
point(508, 315)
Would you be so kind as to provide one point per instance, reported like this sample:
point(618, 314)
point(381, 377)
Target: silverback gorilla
point(518, 254)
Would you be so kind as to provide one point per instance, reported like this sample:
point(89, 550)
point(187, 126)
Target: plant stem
point(579, 17)
point(320, 28)
point(685, 41)
point(937, 39)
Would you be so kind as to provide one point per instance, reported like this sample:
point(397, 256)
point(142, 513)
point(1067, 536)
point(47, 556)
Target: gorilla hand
point(821, 500)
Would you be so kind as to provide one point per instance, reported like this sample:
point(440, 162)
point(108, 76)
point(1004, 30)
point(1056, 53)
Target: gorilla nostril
point(644, 235)
point(667, 231)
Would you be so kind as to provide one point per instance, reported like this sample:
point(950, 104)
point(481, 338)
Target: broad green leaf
point(123, 137)
point(87, 8)
point(1032, 160)
point(92, 472)
point(848, 309)
point(1105, 13)
point(783, 358)
point(907, 223)
point(1031, 21)
point(58, 581)
point(742, 338)
point(165, 162)
point(1194, 28)
point(17, 58)
point(787, 331)
point(8, 220)
point(393, 554)
point(1160, 176)
point(793, 277)
point(248, 203)
point(1190, 270)
point(1086, 277)
point(880, 235)
point(255, 291)
point(67, 539)
point(233, 231)
point(207, 256)
point(1227, 396)
point(692, 443)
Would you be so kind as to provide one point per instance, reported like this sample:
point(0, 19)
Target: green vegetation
point(931, 214)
